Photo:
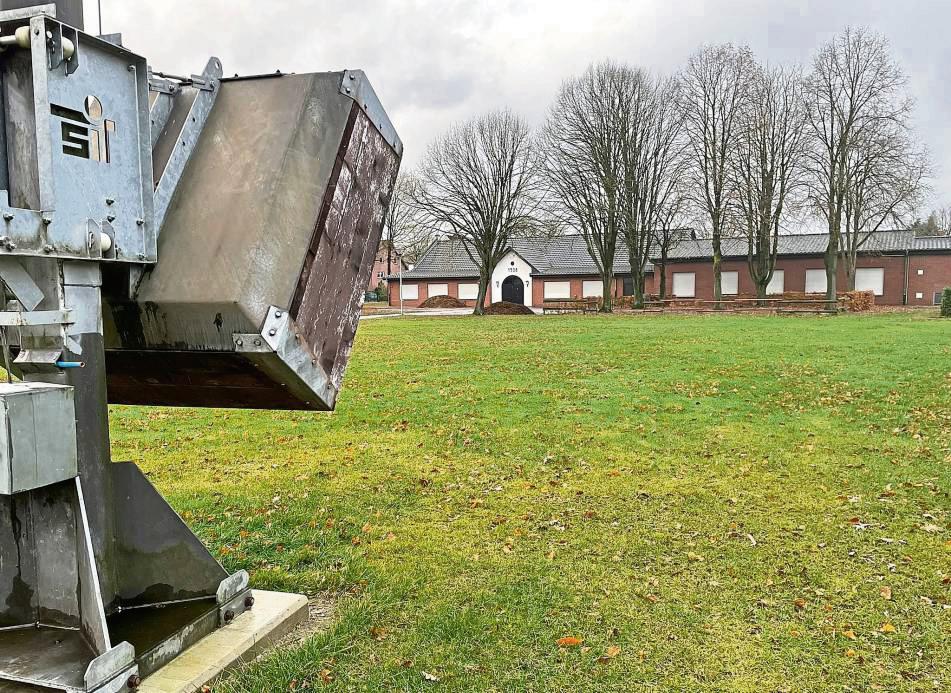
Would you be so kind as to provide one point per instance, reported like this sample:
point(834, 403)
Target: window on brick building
point(816, 281)
point(685, 284)
point(730, 283)
point(777, 284)
point(870, 279)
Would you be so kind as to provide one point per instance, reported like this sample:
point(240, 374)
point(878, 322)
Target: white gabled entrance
point(512, 268)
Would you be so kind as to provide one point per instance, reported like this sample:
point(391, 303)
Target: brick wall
point(936, 276)
point(452, 286)
point(937, 269)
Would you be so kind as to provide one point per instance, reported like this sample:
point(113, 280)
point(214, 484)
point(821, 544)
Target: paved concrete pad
point(274, 615)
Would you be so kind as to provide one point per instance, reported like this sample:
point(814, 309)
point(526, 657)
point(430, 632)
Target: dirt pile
point(506, 308)
point(442, 302)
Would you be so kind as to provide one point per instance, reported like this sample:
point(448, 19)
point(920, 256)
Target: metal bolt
point(240, 342)
point(352, 77)
point(47, 220)
point(348, 90)
point(48, 248)
point(7, 216)
point(278, 314)
point(134, 681)
point(110, 201)
point(141, 256)
point(111, 217)
point(313, 362)
point(140, 222)
point(248, 602)
point(229, 616)
point(272, 332)
point(257, 342)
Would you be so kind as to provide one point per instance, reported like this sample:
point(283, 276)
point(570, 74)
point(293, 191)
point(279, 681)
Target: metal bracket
point(35, 317)
point(356, 86)
point(110, 666)
point(233, 597)
point(186, 134)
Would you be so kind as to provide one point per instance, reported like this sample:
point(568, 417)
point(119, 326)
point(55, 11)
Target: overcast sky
point(437, 61)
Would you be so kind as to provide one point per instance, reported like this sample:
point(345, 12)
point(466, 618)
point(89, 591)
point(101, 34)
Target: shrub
point(946, 303)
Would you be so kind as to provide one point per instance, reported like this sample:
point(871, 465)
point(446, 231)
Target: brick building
point(898, 267)
point(381, 269)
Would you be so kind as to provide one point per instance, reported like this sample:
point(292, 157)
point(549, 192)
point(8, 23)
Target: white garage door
point(410, 292)
point(685, 284)
point(816, 281)
point(438, 290)
point(557, 289)
point(870, 279)
point(592, 288)
point(778, 283)
point(730, 283)
point(468, 292)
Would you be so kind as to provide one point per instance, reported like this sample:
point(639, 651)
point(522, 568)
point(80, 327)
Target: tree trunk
point(480, 300)
point(832, 266)
point(761, 294)
point(717, 285)
point(607, 291)
point(389, 259)
point(662, 288)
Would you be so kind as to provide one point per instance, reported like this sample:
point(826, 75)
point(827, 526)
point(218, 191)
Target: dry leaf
point(800, 604)
point(695, 557)
point(432, 678)
point(850, 634)
point(886, 592)
point(325, 676)
point(850, 653)
point(569, 641)
point(887, 628)
point(378, 633)
point(609, 654)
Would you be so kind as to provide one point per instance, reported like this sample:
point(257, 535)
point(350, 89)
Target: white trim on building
point(511, 264)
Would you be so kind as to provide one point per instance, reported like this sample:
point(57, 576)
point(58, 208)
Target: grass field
point(705, 503)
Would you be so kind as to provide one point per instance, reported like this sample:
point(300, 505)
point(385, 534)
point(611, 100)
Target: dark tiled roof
point(568, 255)
point(810, 244)
point(560, 255)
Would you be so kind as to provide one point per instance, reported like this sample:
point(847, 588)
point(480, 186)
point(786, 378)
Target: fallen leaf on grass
point(378, 633)
point(695, 557)
point(325, 676)
point(800, 604)
point(609, 654)
point(850, 634)
point(932, 529)
point(432, 678)
point(886, 593)
point(850, 653)
point(888, 628)
point(569, 641)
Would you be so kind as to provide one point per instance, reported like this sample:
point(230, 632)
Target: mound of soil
point(442, 302)
point(506, 308)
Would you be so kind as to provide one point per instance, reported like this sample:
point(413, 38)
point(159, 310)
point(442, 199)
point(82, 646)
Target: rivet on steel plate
point(348, 90)
point(7, 216)
point(272, 332)
point(240, 342)
point(134, 681)
point(278, 314)
point(229, 616)
point(110, 201)
point(48, 248)
point(248, 602)
point(257, 342)
point(111, 217)
point(47, 220)
point(140, 222)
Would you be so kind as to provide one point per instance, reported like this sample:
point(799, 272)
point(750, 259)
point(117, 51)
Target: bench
point(726, 305)
point(570, 305)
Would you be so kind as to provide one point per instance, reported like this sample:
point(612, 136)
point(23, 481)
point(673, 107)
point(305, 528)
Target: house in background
point(387, 262)
point(533, 269)
point(898, 267)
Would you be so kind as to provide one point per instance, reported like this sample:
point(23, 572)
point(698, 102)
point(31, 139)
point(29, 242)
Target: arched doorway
point(513, 290)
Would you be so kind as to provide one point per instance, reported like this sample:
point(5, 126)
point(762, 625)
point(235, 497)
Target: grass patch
point(708, 503)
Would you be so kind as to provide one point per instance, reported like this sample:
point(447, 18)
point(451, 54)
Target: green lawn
point(708, 503)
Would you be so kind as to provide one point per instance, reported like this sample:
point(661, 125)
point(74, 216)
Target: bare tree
point(584, 143)
point(715, 86)
point(481, 185)
point(855, 90)
point(938, 223)
point(768, 164)
point(406, 233)
point(654, 165)
point(886, 174)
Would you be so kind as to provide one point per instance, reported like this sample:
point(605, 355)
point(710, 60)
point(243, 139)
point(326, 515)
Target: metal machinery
point(164, 241)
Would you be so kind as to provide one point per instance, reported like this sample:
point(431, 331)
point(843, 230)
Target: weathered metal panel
point(287, 188)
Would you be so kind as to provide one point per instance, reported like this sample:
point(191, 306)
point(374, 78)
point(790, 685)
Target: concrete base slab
point(274, 615)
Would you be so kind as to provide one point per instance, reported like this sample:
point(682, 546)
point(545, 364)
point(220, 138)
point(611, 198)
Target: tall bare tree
point(855, 91)
point(654, 164)
point(585, 137)
point(715, 85)
point(886, 182)
point(481, 185)
point(406, 233)
point(768, 164)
